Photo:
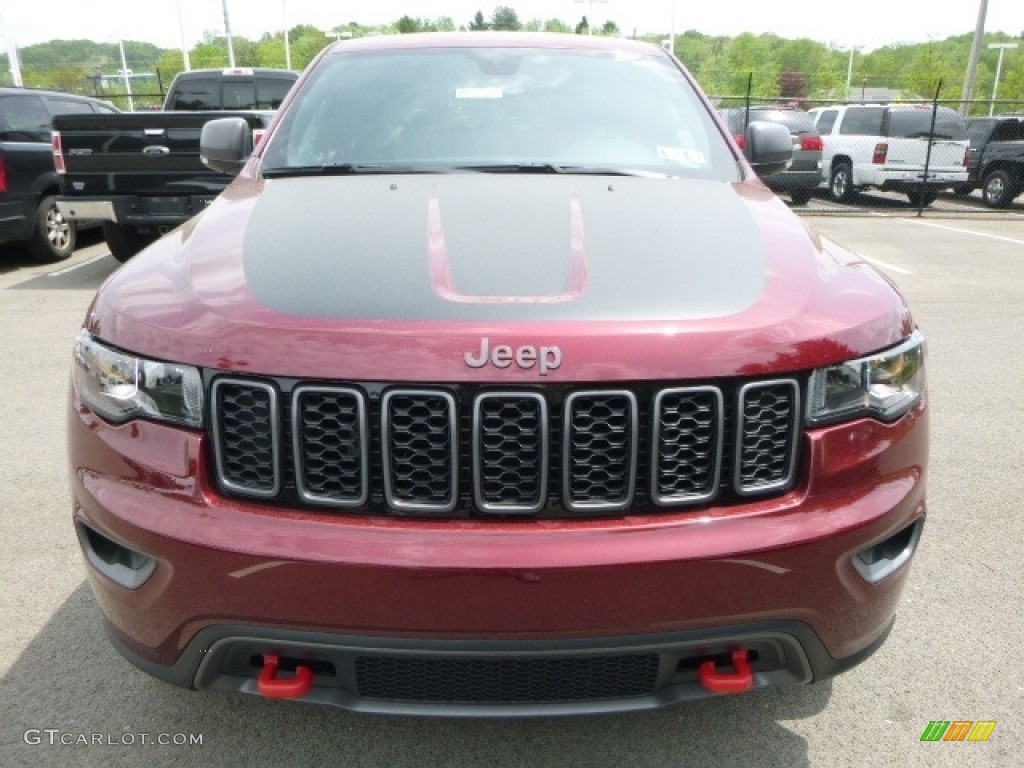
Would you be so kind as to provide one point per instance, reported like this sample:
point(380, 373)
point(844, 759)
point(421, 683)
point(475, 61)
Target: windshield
point(916, 123)
point(499, 110)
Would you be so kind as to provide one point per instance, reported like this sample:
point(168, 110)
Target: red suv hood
point(412, 278)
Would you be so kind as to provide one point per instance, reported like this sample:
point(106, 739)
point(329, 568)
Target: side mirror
point(769, 147)
point(225, 144)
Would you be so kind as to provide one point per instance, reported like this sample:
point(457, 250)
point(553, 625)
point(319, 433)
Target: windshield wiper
point(546, 168)
point(348, 169)
point(511, 168)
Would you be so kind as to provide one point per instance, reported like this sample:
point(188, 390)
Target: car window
point(270, 91)
point(1007, 130)
point(978, 131)
point(916, 122)
point(862, 121)
point(473, 106)
point(239, 94)
point(58, 106)
point(826, 119)
point(197, 93)
point(24, 118)
point(796, 120)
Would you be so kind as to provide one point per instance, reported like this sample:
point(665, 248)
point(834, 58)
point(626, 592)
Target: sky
point(867, 24)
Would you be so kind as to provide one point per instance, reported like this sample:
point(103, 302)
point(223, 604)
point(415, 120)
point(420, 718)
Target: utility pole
point(181, 32)
point(972, 65)
point(12, 54)
point(999, 70)
point(127, 78)
point(287, 45)
point(227, 31)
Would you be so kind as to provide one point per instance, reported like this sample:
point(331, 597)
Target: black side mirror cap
point(769, 147)
point(225, 144)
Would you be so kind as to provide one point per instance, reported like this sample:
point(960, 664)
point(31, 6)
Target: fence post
point(928, 154)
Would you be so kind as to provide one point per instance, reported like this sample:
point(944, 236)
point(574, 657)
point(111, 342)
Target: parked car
point(140, 174)
point(28, 179)
point(204, 90)
point(804, 174)
point(995, 160)
point(497, 383)
point(885, 146)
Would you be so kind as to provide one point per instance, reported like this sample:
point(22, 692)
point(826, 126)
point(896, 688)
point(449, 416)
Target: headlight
point(120, 387)
point(885, 385)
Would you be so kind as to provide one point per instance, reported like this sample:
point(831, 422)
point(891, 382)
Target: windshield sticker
point(479, 93)
point(691, 157)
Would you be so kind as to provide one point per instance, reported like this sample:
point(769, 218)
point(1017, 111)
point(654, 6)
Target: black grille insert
point(687, 457)
point(600, 451)
point(419, 441)
point(766, 443)
point(510, 451)
point(506, 680)
point(245, 435)
point(550, 451)
point(331, 445)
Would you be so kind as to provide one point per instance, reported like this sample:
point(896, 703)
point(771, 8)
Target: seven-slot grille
point(430, 450)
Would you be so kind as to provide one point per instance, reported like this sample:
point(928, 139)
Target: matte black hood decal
point(503, 248)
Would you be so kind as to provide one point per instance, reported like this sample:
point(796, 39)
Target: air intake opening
point(128, 567)
point(884, 558)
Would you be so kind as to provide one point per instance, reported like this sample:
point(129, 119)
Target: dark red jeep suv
point(497, 383)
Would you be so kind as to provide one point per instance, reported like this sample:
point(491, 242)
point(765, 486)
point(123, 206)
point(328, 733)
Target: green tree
point(306, 43)
point(505, 18)
point(610, 29)
point(478, 23)
point(556, 25)
point(583, 27)
point(407, 25)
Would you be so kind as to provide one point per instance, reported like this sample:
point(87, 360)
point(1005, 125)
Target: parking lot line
point(79, 265)
point(885, 265)
point(963, 231)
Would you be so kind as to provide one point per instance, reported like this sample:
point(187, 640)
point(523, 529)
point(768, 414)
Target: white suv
point(886, 146)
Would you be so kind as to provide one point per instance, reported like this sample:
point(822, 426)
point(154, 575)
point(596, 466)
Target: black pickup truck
point(995, 159)
point(140, 173)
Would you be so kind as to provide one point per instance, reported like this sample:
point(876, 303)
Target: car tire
point(54, 237)
point(800, 196)
point(124, 242)
point(923, 198)
point(999, 189)
point(840, 183)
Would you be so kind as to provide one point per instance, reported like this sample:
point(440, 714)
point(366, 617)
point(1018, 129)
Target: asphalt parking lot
point(955, 654)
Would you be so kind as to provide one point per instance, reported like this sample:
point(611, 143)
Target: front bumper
point(233, 581)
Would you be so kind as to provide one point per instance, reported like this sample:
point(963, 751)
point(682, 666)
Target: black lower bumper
point(499, 678)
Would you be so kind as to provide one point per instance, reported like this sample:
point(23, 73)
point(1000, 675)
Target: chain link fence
point(913, 155)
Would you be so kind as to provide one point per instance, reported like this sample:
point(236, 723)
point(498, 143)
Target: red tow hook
point(742, 679)
point(274, 688)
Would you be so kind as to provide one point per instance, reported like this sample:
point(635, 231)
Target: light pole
point(181, 31)
point(227, 30)
point(999, 70)
point(12, 54)
point(672, 32)
point(590, 13)
point(849, 71)
point(287, 44)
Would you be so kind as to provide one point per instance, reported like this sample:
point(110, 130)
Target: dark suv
point(803, 176)
point(28, 179)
